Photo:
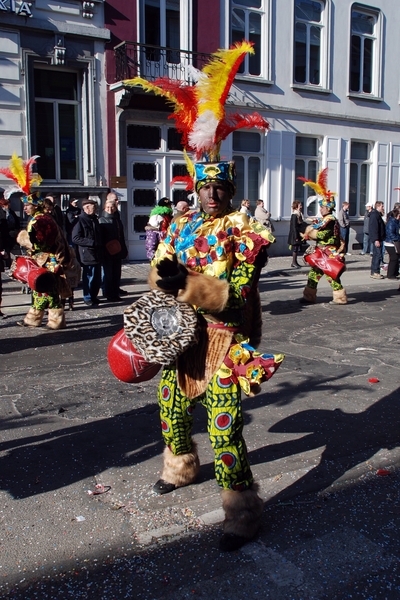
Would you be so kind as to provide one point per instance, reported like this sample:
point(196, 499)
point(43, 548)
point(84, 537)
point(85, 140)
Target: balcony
point(143, 60)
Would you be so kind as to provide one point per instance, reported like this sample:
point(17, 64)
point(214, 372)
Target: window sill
point(314, 89)
point(368, 97)
point(254, 79)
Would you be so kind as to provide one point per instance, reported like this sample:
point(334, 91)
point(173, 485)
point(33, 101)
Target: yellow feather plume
point(212, 90)
point(189, 164)
point(17, 168)
point(150, 87)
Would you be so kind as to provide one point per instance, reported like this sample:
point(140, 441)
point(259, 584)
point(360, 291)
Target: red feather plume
point(237, 121)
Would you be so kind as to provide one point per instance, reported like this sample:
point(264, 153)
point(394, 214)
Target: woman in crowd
point(115, 250)
point(294, 238)
point(391, 241)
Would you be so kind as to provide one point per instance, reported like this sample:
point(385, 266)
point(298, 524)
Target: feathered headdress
point(199, 109)
point(20, 171)
point(325, 197)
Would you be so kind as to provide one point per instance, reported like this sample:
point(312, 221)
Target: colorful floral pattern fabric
point(328, 235)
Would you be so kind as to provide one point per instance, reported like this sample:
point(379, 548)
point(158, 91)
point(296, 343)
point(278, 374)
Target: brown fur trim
point(56, 318)
point(180, 469)
point(24, 240)
point(207, 292)
point(197, 366)
point(310, 294)
point(152, 278)
point(243, 511)
point(310, 232)
point(339, 296)
point(34, 317)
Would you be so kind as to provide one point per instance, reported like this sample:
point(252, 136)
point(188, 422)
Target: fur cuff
point(34, 317)
point(206, 292)
point(243, 511)
point(339, 296)
point(201, 290)
point(180, 469)
point(24, 240)
point(56, 318)
point(310, 232)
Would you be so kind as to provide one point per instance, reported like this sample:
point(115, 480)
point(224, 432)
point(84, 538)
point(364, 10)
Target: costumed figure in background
point(211, 260)
point(327, 256)
point(44, 242)
point(156, 229)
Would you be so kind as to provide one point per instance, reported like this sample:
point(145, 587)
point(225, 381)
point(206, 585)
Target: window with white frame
point(55, 124)
point(249, 21)
point(307, 165)
point(360, 160)
point(365, 51)
point(248, 164)
point(311, 43)
point(164, 24)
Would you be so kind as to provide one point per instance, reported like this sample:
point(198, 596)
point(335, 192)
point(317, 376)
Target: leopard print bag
point(160, 327)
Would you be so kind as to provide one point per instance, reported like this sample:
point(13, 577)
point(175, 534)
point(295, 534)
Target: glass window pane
point(307, 10)
point(238, 31)
point(359, 151)
point(315, 44)
point(179, 170)
point(367, 71)
point(139, 223)
point(353, 188)
point(253, 191)
point(255, 37)
point(142, 136)
point(174, 139)
point(144, 198)
point(362, 23)
point(300, 53)
point(246, 142)
point(299, 187)
point(68, 139)
point(44, 134)
point(355, 62)
point(55, 84)
point(364, 186)
point(306, 146)
point(239, 162)
point(144, 171)
point(248, 3)
point(178, 195)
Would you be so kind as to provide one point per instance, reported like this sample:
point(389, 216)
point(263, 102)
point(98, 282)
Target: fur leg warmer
point(56, 318)
point(339, 297)
point(309, 295)
point(243, 512)
point(34, 317)
point(180, 469)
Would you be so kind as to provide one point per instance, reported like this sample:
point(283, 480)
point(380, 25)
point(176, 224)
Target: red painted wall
point(121, 20)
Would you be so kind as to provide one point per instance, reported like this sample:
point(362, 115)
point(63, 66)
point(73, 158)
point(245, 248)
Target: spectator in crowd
point(71, 218)
point(3, 252)
point(263, 216)
point(377, 236)
point(113, 196)
point(392, 240)
point(13, 225)
point(295, 228)
point(180, 209)
point(86, 234)
point(156, 228)
point(344, 224)
point(56, 211)
point(367, 247)
point(115, 250)
point(245, 207)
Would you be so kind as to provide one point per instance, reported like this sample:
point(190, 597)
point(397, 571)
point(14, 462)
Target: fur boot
point(56, 318)
point(34, 317)
point(179, 470)
point(309, 295)
point(243, 512)
point(339, 297)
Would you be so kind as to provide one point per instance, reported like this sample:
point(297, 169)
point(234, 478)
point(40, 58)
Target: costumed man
point(325, 231)
point(211, 260)
point(44, 242)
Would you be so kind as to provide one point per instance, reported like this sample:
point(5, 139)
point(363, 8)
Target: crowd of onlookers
point(98, 244)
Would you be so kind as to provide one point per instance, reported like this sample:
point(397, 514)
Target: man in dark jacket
point(376, 238)
point(71, 218)
point(86, 234)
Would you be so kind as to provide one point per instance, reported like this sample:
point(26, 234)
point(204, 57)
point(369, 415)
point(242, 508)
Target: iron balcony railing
point(143, 60)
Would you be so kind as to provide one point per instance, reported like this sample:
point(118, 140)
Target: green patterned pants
point(315, 275)
point(225, 426)
point(43, 301)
